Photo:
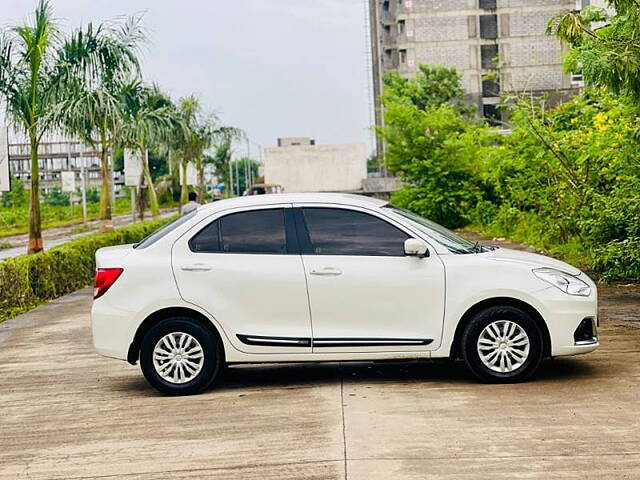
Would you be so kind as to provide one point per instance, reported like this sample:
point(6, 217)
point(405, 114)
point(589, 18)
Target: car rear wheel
point(180, 357)
point(502, 344)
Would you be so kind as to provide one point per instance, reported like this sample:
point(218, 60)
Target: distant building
point(476, 37)
point(303, 166)
point(295, 141)
point(54, 158)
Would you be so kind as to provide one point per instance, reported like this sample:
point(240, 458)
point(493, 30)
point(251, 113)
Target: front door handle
point(326, 272)
point(197, 267)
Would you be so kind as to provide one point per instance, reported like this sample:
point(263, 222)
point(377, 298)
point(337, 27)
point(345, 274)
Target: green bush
point(28, 280)
point(566, 179)
point(619, 259)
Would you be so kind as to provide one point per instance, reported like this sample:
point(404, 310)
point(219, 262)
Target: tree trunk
point(184, 189)
point(151, 192)
point(141, 197)
point(201, 186)
point(106, 222)
point(35, 220)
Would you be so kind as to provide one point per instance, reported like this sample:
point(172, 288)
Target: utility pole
point(376, 70)
point(230, 186)
point(83, 186)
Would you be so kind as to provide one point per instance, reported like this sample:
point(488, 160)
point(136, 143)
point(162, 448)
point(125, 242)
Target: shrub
point(29, 280)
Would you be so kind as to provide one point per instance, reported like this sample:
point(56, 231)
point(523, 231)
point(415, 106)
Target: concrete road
point(67, 413)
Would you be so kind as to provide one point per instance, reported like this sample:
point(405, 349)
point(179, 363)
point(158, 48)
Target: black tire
point(476, 326)
point(213, 357)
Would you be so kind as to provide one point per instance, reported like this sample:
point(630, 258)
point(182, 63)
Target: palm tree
point(149, 120)
point(37, 65)
point(93, 109)
point(199, 133)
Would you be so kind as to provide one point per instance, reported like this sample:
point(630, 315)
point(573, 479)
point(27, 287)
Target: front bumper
point(565, 316)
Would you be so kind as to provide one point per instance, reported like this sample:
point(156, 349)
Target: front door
point(364, 293)
point(244, 268)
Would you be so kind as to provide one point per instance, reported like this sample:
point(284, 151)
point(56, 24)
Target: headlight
point(567, 283)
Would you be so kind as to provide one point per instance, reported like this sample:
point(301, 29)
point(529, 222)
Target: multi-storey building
point(478, 37)
point(56, 157)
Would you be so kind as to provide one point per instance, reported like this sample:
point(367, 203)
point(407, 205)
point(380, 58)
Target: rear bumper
point(111, 329)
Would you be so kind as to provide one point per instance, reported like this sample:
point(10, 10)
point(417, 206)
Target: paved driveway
point(67, 413)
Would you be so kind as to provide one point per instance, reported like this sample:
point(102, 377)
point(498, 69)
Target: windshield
point(453, 242)
point(158, 234)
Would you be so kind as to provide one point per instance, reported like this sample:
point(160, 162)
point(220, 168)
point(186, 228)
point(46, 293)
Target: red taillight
point(105, 277)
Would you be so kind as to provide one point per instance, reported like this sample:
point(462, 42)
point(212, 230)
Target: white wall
point(319, 168)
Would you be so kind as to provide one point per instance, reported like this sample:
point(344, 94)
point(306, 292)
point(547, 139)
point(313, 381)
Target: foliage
point(38, 68)
point(221, 159)
point(13, 221)
point(29, 280)
point(240, 169)
point(432, 86)
point(432, 145)
point(56, 197)
point(604, 48)
point(91, 106)
point(567, 179)
point(17, 197)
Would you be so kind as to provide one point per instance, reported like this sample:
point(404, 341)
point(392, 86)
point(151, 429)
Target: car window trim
point(291, 243)
point(304, 237)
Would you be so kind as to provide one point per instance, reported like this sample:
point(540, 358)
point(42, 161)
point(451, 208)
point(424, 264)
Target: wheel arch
point(162, 314)
point(455, 351)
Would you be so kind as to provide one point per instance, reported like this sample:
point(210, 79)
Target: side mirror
point(415, 248)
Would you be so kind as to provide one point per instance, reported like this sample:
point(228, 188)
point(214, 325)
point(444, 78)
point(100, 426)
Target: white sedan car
point(330, 277)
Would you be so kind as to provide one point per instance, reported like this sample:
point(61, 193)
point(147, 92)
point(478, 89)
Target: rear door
point(244, 268)
point(365, 294)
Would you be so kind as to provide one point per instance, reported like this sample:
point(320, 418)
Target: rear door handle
point(197, 267)
point(326, 272)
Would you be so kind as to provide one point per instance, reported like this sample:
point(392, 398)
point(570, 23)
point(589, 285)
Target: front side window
point(347, 232)
point(258, 231)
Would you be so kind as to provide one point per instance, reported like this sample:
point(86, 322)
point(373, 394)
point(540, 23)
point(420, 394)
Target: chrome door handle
point(326, 272)
point(198, 267)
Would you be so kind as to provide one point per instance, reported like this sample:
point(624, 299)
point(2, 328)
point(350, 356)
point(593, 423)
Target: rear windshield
point(163, 231)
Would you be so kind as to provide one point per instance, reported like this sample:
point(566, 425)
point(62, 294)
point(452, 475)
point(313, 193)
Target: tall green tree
point(199, 132)
point(93, 108)
point(36, 65)
point(149, 120)
point(431, 144)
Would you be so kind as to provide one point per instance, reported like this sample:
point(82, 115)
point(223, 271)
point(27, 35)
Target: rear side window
point(158, 234)
point(335, 231)
point(258, 231)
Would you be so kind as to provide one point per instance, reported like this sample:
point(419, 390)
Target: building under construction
point(54, 158)
point(505, 38)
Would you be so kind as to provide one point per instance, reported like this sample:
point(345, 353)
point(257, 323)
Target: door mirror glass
point(415, 248)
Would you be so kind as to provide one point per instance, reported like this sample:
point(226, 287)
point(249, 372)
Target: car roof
point(276, 198)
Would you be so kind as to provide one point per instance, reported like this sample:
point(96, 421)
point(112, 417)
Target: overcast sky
point(274, 68)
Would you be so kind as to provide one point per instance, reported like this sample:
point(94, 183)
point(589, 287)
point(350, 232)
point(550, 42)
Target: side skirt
point(331, 342)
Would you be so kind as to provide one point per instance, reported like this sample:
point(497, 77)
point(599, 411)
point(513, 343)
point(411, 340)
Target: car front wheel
point(180, 357)
point(502, 344)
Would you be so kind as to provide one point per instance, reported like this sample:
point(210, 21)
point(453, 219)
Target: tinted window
point(208, 239)
point(259, 231)
point(347, 232)
point(158, 234)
